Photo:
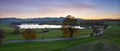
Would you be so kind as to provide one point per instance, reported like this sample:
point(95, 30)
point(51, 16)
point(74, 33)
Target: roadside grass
point(113, 35)
point(94, 46)
point(45, 46)
point(110, 42)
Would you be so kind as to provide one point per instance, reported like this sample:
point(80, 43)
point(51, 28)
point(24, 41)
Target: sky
point(85, 9)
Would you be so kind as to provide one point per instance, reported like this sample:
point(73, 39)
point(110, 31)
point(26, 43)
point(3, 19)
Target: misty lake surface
point(37, 26)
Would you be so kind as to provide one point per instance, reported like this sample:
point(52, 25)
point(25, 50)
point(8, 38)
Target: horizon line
point(57, 17)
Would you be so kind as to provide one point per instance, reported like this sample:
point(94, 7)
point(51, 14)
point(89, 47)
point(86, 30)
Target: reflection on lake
point(37, 26)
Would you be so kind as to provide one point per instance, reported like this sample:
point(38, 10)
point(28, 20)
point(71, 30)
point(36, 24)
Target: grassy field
point(94, 46)
point(44, 46)
point(111, 40)
point(113, 35)
point(51, 34)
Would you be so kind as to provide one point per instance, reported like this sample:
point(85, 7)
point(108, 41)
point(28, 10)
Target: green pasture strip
point(51, 34)
point(44, 46)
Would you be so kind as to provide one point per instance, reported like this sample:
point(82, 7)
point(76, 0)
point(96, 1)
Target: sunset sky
point(86, 9)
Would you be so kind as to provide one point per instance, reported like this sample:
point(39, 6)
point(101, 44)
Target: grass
point(41, 46)
point(94, 46)
point(113, 35)
point(44, 46)
point(111, 40)
point(51, 34)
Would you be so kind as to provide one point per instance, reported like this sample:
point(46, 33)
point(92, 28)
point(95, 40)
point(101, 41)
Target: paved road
point(44, 40)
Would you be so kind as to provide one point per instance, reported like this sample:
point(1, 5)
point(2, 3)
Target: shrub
point(30, 34)
point(16, 30)
point(66, 32)
point(1, 35)
point(118, 24)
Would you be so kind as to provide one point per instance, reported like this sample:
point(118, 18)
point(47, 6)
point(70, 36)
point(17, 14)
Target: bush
point(30, 34)
point(66, 32)
point(1, 35)
point(118, 24)
point(16, 31)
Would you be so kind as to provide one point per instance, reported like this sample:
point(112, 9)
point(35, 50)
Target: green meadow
point(51, 34)
point(111, 38)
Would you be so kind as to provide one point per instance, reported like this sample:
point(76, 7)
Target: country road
point(44, 40)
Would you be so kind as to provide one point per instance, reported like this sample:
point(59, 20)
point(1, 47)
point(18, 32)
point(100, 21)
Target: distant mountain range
point(47, 20)
point(34, 20)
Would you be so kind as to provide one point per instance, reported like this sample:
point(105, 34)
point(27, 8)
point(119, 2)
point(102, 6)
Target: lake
point(37, 26)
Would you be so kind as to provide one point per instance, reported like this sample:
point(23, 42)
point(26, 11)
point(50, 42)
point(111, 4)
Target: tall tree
point(68, 26)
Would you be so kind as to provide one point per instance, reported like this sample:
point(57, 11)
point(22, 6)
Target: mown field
point(111, 40)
